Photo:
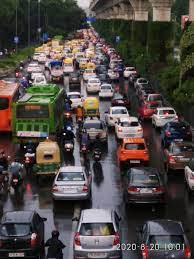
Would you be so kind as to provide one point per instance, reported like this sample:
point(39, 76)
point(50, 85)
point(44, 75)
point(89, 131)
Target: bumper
point(134, 162)
point(63, 197)
point(146, 198)
point(107, 254)
point(177, 166)
point(123, 135)
point(28, 253)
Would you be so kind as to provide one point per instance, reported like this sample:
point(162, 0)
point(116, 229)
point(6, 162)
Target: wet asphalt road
point(107, 193)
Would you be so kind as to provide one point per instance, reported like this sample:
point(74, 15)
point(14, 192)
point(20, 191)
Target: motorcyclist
point(97, 143)
point(24, 83)
point(16, 169)
point(85, 138)
point(68, 135)
point(55, 246)
point(3, 160)
point(30, 147)
point(79, 112)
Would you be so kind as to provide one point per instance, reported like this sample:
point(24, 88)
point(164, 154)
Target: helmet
point(69, 128)
point(55, 233)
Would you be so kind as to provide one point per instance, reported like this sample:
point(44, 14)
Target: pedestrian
point(55, 246)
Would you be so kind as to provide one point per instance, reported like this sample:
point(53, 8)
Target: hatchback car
point(133, 151)
point(163, 239)
point(72, 183)
point(114, 113)
point(155, 98)
point(163, 115)
point(93, 85)
point(144, 185)
point(128, 128)
point(98, 235)
point(178, 155)
point(128, 71)
point(22, 235)
point(106, 91)
point(76, 98)
point(95, 127)
point(146, 111)
point(120, 100)
point(176, 130)
point(189, 175)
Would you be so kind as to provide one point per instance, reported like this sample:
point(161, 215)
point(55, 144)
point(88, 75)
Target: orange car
point(133, 151)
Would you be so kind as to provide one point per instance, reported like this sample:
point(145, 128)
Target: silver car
point(98, 235)
point(72, 183)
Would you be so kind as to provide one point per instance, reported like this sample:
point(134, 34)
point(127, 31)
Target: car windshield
point(70, 176)
point(164, 241)
point(166, 112)
point(93, 125)
point(39, 79)
point(94, 81)
point(129, 124)
point(134, 146)
point(142, 81)
point(141, 179)
point(155, 98)
point(183, 148)
point(89, 71)
point(119, 111)
point(74, 96)
point(4, 103)
point(97, 229)
point(16, 230)
point(106, 87)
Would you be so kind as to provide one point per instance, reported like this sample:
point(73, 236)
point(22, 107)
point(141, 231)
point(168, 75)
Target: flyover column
point(191, 10)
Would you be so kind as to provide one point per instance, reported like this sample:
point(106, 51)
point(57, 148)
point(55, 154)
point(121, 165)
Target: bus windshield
point(32, 111)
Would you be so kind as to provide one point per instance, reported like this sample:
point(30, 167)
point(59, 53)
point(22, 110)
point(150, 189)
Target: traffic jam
point(94, 163)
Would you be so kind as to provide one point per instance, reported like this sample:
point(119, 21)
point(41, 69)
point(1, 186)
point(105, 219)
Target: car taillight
point(120, 130)
point(77, 239)
point(85, 188)
point(133, 190)
point(145, 253)
point(33, 240)
point(171, 159)
point(187, 254)
point(192, 176)
point(145, 152)
point(139, 129)
point(55, 188)
point(116, 239)
point(168, 133)
point(158, 190)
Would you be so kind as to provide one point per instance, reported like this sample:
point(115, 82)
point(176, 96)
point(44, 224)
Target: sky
point(83, 3)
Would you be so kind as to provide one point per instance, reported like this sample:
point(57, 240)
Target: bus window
point(32, 112)
point(4, 103)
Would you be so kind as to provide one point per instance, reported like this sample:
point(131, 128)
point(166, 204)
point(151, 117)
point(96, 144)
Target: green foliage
point(179, 8)
point(184, 93)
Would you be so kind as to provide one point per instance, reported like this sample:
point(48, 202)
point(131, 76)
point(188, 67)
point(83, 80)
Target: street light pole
point(16, 24)
point(29, 23)
point(39, 29)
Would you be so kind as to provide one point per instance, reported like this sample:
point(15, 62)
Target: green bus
point(38, 114)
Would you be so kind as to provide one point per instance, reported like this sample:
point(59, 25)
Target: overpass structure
point(137, 10)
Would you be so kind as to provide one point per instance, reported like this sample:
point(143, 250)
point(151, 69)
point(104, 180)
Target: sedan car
point(114, 113)
point(133, 151)
point(144, 185)
point(189, 175)
point(72, 183)
point(93, 85)
point(128, 128)
point(120, 100)
point(178, 155)
point(128, 71)
point(98, 235)
point(22, 235)
point(106, 91)
point(162, 116)
point(176, 130)
point(96, 127)
point(163, 239)
point(76, 98)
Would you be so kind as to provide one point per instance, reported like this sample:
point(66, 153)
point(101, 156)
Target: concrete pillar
point(161, 10)
point(191, 10)
point(140, 8)
point(126, 11)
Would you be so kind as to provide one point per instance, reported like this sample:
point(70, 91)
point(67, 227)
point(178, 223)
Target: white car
point(113, 75)
point(68, 68)
point(128, 71)
point(88, 73)
point(106, 91)
point(128, 128)
point(114, 114)
point(40, 80)
point(34, 68)
point(189, 175)
point(36, 56)
point(140, 81)
point(113, 63)
point(162, 116)
point(34, 74)
point(93, 85)
point(76, 99)
point(42, 58)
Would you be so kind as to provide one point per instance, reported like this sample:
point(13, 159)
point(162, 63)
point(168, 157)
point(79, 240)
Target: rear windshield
point(135, 146)
point(163, 242)
point(152, 106)
point(129, 124)
point(119, 111)
point(75, 96)
point(106, 87)
point(93, 125)
point(155, 98)
point(142, 81)
point(183, 148)
point(166, 112)
point(141, 179)
point(4, 103)
point(71, 176)
point(39, 79)
point(97, 229)
point(17, 230)
point(94, 81)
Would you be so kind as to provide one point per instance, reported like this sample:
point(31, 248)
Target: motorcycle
point(97, 167)
point(29, 161)
point(16, 182)
point(97, 155)
point(68, 117)
point(68, 147)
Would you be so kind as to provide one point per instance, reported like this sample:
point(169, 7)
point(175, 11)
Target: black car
point(120, 100)
point(22, 235)
point(163, 239)
point(74, 79)
point(175, 131)
point(144, 185)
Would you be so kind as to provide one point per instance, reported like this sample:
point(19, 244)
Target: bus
point(9, 93)
point(38, 114)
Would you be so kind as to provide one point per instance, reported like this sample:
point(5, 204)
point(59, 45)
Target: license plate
point(69, 190)
point(184, 159)
point(178, 139)
point(96, 255)
point(135, 161)
point(145, 191)
point(16, 254)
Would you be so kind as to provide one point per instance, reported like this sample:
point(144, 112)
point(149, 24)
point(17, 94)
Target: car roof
point(118, 107)
point(17, 217)
point(145, 170)
point(133, 140)
point(130, 119)
point(72, 93)
point(165, 108)
point(96, 215)
point(72, 169)
point(165, 227)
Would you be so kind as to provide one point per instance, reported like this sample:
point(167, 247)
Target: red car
point(146, 110)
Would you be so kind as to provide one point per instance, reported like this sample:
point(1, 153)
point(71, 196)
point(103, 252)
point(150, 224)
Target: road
point(107, 193)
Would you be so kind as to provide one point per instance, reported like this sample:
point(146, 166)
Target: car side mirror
point(75, 219)
point(44, 219)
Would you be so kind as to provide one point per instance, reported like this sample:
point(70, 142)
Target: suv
point(22, 235)
point(95, 127)
point(98, 235)
point(163, 239)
